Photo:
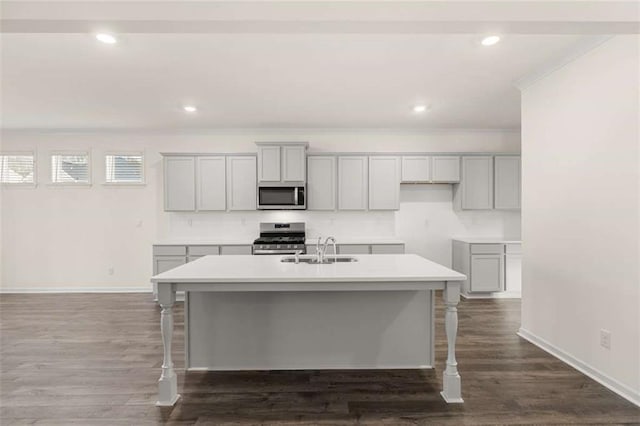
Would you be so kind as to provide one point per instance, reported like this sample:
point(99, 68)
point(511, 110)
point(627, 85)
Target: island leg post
point(451, 386)
point(168, 383)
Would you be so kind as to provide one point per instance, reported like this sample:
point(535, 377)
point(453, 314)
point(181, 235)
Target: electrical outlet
point(605, 339)
point(190, 221)
point(111, 270)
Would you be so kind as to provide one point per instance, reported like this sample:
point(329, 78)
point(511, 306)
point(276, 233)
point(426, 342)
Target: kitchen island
point(256, 312)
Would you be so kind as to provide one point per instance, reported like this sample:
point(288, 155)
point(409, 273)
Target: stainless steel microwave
point(281, 197)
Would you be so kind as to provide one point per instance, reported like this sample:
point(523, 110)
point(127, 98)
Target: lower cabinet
point(487, 272)
point(491, 268)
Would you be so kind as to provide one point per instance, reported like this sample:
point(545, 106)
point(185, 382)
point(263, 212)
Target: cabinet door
point(416, 169)
point(234, 250)
point(354, 249)
point(294, 163)
point(241, 183)
point(446, 169)
point(352, 183)
point(507, 182)
point(487, 272)
point(211, 183)
point(384, 183)
point(165, 263)
point(477, 183)
point(179, 183)
point(387, 249)
point(321, 183)
point(269, 163)
point(513, 272)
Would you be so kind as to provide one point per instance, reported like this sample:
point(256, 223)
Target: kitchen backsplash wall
point(100, 237)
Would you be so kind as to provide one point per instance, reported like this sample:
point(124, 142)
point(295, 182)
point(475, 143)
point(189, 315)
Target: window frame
point(143, 175)
point(74, 184)
point(35, 170)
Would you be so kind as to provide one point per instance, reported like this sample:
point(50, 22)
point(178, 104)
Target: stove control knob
point(278, 246)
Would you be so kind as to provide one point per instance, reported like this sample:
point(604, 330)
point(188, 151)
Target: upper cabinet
point(282, 162)
point(445, 169)
point(353, 188)
point(507, 182)
point(384, 183)
point(211, 183)
point(430, 169)
point(489, 182)
point(269, 163)
point(416, 169)
point(476, 187)
point(179, 183)
point(241, 182)
point(321, 182)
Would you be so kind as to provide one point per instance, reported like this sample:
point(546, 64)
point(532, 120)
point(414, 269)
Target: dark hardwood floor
point(95, 359)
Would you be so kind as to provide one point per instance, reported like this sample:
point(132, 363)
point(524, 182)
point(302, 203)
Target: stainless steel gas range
point(280, 238)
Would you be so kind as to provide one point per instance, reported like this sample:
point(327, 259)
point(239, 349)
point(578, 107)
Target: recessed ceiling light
point(420, 108)
point(106, 38)
point(190, 108)
point(490, 40)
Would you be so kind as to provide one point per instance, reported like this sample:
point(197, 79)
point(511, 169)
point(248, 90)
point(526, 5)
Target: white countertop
point(269, 269)
point(249, 241)
point(357, 240)
point(204, 242)
point(486, 240)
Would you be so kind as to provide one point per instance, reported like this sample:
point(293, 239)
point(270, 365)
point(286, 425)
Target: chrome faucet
point(326, 243)
point(319, 253)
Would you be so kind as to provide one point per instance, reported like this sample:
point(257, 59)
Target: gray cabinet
point(282, 162)
point(445, 169)
point(211, 183)
point(387, 249)
point(507, 182)
point(416, 169)
point(475, 191)
point(384, 183)
point(236, 250)
point(241, 182)
point(321, 182)
point(354, 249)
point(353, 184)
point(489, 267)
point(487, 272)
point(179, 183)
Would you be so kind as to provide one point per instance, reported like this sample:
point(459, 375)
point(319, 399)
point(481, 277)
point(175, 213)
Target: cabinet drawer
point(513, 248)
point(487, 249)
point(169, 250)
point(225, 250)
point(203, 250)
point(165, 263)
point(354, 249)
point(192, 258)
point(387, 249)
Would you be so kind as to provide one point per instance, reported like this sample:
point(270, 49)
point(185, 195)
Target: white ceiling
point(269, 80)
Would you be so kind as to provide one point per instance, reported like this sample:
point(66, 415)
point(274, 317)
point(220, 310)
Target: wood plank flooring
point(85, 359)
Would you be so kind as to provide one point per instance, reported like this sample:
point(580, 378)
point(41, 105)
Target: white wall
point(70, 237)
point(580, 213)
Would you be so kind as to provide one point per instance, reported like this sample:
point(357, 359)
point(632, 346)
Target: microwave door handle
point(295, 197)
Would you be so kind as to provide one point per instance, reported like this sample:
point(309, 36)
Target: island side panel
point(310, 330)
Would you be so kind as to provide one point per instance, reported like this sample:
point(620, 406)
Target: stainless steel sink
point(314, 260)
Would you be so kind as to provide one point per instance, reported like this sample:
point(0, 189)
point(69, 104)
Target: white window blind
point(70, 168)
point(17, 168)
point(124, 168)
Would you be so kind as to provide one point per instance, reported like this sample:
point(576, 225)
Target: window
point(70, 168)
point(124, 168)
point(17, 168)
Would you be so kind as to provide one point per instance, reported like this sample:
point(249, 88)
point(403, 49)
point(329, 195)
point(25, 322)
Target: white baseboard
point(610, 383)
point(77, 290)
point(499, 295)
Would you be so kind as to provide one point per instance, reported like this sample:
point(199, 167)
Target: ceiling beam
point(322, 17)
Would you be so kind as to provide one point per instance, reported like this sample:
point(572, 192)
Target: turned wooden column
point(451, 386)
point(168, 383)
